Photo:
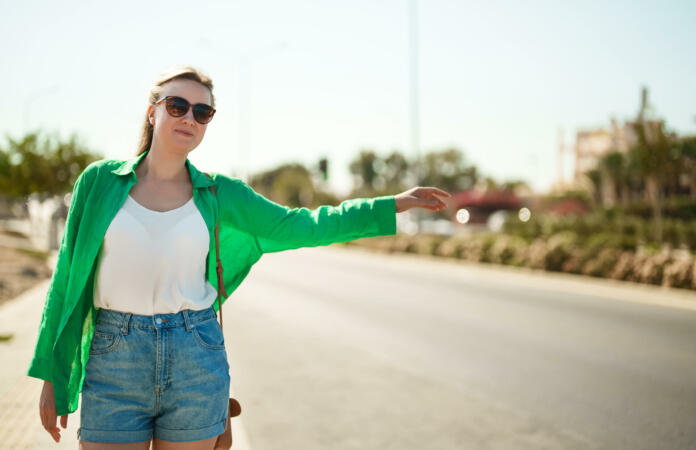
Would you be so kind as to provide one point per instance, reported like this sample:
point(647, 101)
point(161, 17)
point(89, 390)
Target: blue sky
point(295, 81)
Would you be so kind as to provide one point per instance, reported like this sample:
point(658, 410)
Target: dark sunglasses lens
point(177, 106)
point(203, 113)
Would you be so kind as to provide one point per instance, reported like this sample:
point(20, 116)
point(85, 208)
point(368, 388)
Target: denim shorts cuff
point(113, 436)
point(197, 434)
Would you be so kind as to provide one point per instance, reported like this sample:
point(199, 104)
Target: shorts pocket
point(103, 342)
point(209, 335)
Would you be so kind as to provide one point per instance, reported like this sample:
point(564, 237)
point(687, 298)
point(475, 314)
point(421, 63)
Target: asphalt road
point(343, 349)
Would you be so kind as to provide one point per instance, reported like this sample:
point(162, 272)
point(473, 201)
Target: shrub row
point(630, 232)
point(604, 255)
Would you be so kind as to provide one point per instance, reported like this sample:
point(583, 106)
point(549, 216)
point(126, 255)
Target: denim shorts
point(164, 376)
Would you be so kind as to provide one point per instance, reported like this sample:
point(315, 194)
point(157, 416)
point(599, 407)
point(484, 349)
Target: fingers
point(436, 202)
point(64, 421)
point(429, 190)
point(50, 426)
point(430, 195)
point(47, 412)
point(52, 429)
point(423, 197)
point(434, 205)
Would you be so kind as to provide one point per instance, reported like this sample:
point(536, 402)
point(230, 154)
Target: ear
point(151, 115)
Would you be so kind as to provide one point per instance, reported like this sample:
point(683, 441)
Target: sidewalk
point(20, 424)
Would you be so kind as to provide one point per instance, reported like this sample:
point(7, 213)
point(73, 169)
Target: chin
point(180, 148)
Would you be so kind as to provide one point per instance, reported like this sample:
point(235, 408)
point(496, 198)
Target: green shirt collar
point(198, 179)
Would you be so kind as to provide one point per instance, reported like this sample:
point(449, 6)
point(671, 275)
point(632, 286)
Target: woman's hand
point(420, 197)
point(47, 410)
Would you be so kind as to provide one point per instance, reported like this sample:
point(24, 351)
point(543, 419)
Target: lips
point(185, 133)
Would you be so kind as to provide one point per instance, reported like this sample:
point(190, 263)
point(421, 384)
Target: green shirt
point(249, 226)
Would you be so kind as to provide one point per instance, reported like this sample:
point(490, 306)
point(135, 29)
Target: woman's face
point(180, 134)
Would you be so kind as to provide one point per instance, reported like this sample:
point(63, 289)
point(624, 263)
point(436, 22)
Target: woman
point(130, 315)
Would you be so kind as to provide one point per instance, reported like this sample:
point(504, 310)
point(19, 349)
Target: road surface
point(337, 348)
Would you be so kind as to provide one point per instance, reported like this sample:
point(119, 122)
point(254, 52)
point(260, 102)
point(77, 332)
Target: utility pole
point(414, 96)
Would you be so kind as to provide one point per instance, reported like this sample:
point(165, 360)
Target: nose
point(188, 117)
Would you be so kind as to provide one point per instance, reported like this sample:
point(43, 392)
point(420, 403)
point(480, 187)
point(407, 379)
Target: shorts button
point(158, 321)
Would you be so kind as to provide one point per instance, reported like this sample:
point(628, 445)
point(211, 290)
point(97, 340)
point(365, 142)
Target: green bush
point(426, 245)
point(577, 259)
point(487, 242)
point(471, 250)
point(602, 264)
point(625, 267)
point(652, 269)
point(451, 247)
point(690, 235)
point(559, 248)
point(608, 254)
point(535, 256)
point(632, 229)
point(679, 271)
point(404, 243)
point(679, 208)
point(508, 250)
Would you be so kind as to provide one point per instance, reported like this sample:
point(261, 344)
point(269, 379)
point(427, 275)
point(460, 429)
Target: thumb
point(64, 421)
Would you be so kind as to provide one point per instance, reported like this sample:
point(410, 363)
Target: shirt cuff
point(41, 368)
point(385, 213)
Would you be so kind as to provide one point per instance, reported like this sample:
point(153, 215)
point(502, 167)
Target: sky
point(297, 81)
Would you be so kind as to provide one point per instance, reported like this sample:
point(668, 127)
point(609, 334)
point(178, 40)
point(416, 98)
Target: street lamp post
point(245, 86)
point(34, 96)
point(244, 62)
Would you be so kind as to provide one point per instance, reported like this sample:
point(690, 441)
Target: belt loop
point(187, 320)
point(126, 320)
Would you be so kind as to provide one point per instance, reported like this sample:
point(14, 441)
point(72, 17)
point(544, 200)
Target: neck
point(162, 166)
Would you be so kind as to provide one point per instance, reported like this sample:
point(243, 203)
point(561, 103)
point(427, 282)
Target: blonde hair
point(175, 73)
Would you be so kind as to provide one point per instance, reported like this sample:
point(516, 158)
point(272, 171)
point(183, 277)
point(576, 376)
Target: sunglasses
point(177, 107)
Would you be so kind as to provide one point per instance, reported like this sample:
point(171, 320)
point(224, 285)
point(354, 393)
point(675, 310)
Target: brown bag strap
point(221, 285)
point(234, 408)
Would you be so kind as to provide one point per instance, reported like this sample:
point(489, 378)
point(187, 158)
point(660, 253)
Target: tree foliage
point(660, 165)
point(382, 175)
point(289, 184)
point(41, 163)
point(292, 184)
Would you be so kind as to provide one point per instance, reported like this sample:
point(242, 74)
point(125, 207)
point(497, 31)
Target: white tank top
point(153, 262)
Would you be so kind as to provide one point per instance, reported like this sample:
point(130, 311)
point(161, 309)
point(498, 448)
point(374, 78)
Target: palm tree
point(595, 178)
point(613, 167)
point(651, 155)
point(688, 158)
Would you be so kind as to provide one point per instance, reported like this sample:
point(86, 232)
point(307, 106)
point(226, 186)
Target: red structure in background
point(482, 204)
point(567, 207)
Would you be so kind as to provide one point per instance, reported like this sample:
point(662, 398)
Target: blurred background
point(565, 132)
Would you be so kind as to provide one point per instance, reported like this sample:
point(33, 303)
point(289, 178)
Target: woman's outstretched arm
point(277, 227)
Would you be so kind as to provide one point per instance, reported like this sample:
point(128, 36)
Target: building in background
point(591, 145)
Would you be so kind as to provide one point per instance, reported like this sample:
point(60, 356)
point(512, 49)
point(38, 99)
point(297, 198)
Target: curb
point(598, 287)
